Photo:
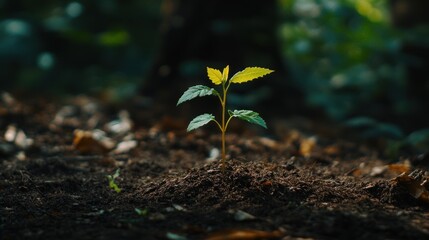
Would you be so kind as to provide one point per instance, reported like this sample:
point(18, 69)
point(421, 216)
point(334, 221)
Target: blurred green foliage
point(344, 55)
point(77, 46)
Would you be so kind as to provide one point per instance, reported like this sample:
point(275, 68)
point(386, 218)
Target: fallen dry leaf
point(267, 183)
point(86, 143)
point(415, 185)
point(399, 168)
point(332, 150)
point(356, 172)
point(267, 142)
point(237, 234)
point(307, 146)
point(376, 170)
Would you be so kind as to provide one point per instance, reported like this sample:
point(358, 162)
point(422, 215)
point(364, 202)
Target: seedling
point(141, 212)
point(221, 78)
point(112, 183)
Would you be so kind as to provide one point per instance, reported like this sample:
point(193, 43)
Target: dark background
point(362, 63)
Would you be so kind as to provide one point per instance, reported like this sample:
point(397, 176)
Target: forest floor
point(302, 180)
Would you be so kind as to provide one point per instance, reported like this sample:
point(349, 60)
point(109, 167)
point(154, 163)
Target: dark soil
point(302, 180)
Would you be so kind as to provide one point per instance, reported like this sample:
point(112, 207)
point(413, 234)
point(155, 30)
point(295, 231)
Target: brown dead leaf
point(414, 185)
point(332, 150)
point(267, 183)
point(292, 136)
point(241, 234)
point(85, 142)
point(267, 142)
point(307, 146)
point(356, 172)
point(399, 168)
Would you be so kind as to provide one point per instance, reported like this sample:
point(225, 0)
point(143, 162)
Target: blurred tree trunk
point(216, 33)
point(406, 15)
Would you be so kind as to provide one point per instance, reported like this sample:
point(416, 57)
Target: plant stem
point(223, 129)
point(224, 123)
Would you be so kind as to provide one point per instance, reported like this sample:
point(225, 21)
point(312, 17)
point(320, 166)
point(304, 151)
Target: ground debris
point(268, 183)
point(244, 234)
point(416, 183)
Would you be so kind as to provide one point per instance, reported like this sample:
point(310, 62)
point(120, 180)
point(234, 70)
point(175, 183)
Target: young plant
point(221, 78)
point(142, 212)
point(112, 183)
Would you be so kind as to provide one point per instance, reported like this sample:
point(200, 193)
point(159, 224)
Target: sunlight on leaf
point(199, 121)
point(214, 75)
point(248, 115)
point(196, 91)
point(225, 73)
point(249, 74)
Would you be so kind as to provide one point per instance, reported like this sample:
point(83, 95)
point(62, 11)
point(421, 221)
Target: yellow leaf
point(225, 73)
point(249, 74)
point(214, 75)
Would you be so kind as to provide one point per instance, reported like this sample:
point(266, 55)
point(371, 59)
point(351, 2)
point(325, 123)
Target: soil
point(301, 180)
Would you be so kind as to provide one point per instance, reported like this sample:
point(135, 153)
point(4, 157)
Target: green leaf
point(419, 139)
point(358, 122)
point(112, 183)
point(141, 212)
point(249, 74)
point(173, 236)
point(196, 91)
point(199, 121)
point(214, 75)
point(117, 172)
point(248, 115)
